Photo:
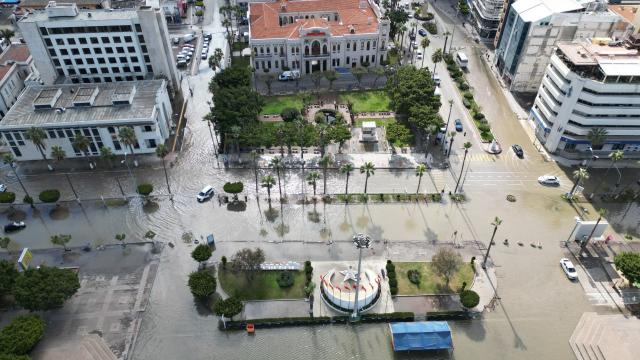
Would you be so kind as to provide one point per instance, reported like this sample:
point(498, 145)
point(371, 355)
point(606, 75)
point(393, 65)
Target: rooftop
point(265, 22)
point(14, 53)
point(64, 12)
point(43, 3)
point(534, 10)
point(77, 104)
point(612, 60)
point(627, 12)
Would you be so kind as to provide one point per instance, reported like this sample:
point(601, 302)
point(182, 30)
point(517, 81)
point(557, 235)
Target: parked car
point(436, 79)
point(182, 63)
point(207, 36)
point(3, 187)
point(569, 269)
point(414, 45)
point(176, 40)
point(188, 46)
point(422, 32)
point(549, 180)
point(289, 75)
point(205, 194)
point(189, 37)
point(518, 150)
point(203, 56)
point(458, 124)
point(14, 226)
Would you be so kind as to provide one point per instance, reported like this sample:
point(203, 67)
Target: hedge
point(22, 334)
point(321, 320)
point(49, 196)
point(447, 315)
point(145, 189)
point(233, 187)
point(7, 197)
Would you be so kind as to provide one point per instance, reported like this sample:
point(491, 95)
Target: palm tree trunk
point(419, 181)
point(346, 187)
point(133, 155)
point(279, 187)
point(255, 172)
point(424, 51)
point(591, 234)
point(19, 181)
point(44, 157)
point(269, 193)
point(166, 177)
point(324, 180)
point(314, 188)
point(461, 171)
point(434, 69)
point(484, 262)
point(574, 186)
point(366, 182)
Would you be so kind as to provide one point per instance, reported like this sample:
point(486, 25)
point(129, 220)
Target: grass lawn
point(263, 285)
point(275, 104)
point(366, 101)
point(379, 121)
point(431, 283)
point(241, 61)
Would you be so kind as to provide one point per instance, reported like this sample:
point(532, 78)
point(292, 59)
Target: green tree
point(339, 133)
point(162, 151)
point(398, 135)
point(463, 8)
point(6, 35)
point(81, 143)
point(378, 72)
point(466, 146)
point(49, 196)
point(121, 238)
point(312, 179)
point(57, 153)
point(8, 276)
point(346, 169)
point(446, 262)
point(202, 284)
point(409, 87)
point(37, 135)
point(424, 117)
point(331, 76)
point(231, 77)
point(228, 308)
point(597, 136)
point(201, 253)
point(420, 170)
point(128, 137)
point(236, 106)
point(61, 240)
point(247, 260)
point(268, 80)
point(14, 357)
point(21, 335)
point(45, 288)
point(424, 43)
point(629, 265)
point(268, 182)
point(368, 169)
point(579, 175)
point(290, 114)
point(358, 73)
point(324, 161)
point(4, 242)
point(436, 57)
point(277, 164)
point(469, 299)
point(397, 18)
point(316, 78)
point(107, 155)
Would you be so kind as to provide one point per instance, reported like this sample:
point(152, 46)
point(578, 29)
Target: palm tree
point(57, 153)
point(601, 214)
point(61, 240)
point(403, 29)
point(597, 136)
point(420, 170)
point(436, 57)
point(37, 135)
point(81, 143)
point(254, 155)
point(346, 169)
point(312, 178)
point(579, 175)
point(8, 159)
point(128, 137)
point(467, 146)
point(496, 222)
point(268, 182)
point(325, 161)
point(107, 154)
point(424, 43)
point(162, 152)
point(615, 157)
point(368, 169)
point(452, 134)
point(6, 34)
point(278, 165)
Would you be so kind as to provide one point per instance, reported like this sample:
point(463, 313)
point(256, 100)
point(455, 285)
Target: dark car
point(458, 124)
point(14, 226)
point(422, 32)
point(518, 150)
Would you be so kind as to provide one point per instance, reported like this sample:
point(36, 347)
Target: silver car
point(569, 269)
point(549, 180)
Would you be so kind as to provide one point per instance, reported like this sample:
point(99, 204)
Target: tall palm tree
point(452, 135)
point(466, 146)
point(615, 157)
point(268, 182)
point(346, 169)
point(601, 214)
point(81, 143)
point(403, 29)
point(8, 159)
point(107, 154)
point(7, 34)
point(579, 175)
point(496, 222)
point(424, 43)
point(597, 136)
point(278, 165)
point(312, 179)
point(162, 152)
point(420, 170)
point(127, 136)
point(368, 169)
point(254, 156)
point(436, 57)
point(37, 135)
point(325, 161)
point(57, 153)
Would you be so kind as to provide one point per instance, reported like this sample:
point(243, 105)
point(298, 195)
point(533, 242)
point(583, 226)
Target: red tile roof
point(265, 18)
point(15, 52)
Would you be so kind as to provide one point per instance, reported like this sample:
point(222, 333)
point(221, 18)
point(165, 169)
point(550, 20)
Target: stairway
point(605, 337)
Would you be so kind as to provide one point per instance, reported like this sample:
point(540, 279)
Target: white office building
point(97, 46)
point(16, 69)
point(317, 35)
point(532, 28)
point(587, 85)
point(95, 110)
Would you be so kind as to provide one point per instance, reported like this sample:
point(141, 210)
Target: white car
point(419, 57)
point(205, 194)
point(569, 269)
point(3, 187)
point(549, 180)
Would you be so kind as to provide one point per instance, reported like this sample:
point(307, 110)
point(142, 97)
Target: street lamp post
point(361, 241)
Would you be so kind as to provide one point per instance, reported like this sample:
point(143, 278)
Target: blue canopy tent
point(421, 335)
point(9, 2)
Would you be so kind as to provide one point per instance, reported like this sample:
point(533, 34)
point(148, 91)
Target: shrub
point(431, 28)
point(466, 103)
point(469, 298)
point(478, 116)
point(202, 284)
point(390, 267)
point(201, 253)
point(229, 307)
point(14, 357)
point(223, 260)
point(289, 114)
point(452, 67)
point(463, 86)
point(393, 282)
point(629, 265)
point(28, 200)
point(45, 288)
point(22, 334)
point(7, 197)
point(233, 187)
point(393, 290)
point(145, 189)
point(467, 95)
point(484, 127)
point(428, 16)
point(285, 279)
point(49, 196)
point(414, 276)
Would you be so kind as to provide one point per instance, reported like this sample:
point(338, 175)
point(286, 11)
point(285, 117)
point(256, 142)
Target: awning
point(421, 335)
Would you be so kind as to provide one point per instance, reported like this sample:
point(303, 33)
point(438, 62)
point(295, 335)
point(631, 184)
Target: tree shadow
point(237, 206)
point(59, 213)
point(271, 214)
point(17, 215)
point(150, 206)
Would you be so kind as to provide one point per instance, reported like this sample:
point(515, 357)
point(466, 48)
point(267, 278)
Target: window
point(105, 40)
point(56, 62)
point(117, 39)
point(147, 59)
point(94, 40)
point(71, 41)
point(44, 31)
point(104, 70)
point(141, 38)
point(93, 70)
point(97, 50)
point(150, 143)
point(82, 40)
point(67, 61)
point(123, 59)
point(138, 28)
point(127, 39)
point(90, 61)
point(75, 51)
point(131, 49)
point(52, 134)
point(52, 52)
point(120, 50)
point(617, 147)
point(147, 128)
point(109, 50)
point(59, 42)
point(86, 51)
point(136, 69)
point(129, 78)
point(81, 70)
point(115, 70)
point(60, 72)
point(63, 52)
point(144, 49)
point(101, 61)
point(149, 68)
point(48, 42)
point(79, 61)
point(133, 59)
point(126, 69)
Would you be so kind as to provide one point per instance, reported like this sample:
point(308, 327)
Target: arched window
point(255, 51)
point(355, 46)
point(368, 45)
point(382, 44)
point(306, 50)
point(374, 44)
point(261, 50)
point(324, 49)
point(315, 48)
point(291, 19)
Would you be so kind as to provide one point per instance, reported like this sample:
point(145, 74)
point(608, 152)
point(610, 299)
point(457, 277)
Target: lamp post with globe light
point(361, 241)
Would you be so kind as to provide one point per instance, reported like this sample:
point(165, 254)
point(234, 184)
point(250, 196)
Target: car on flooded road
point(549, 180)
point(569, 269)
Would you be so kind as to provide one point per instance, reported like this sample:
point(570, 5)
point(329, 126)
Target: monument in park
point(339, 289)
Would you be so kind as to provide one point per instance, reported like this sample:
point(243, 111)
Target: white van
point(462, 60)
point(181, 57)
point(189, 38)
point(289, 75)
